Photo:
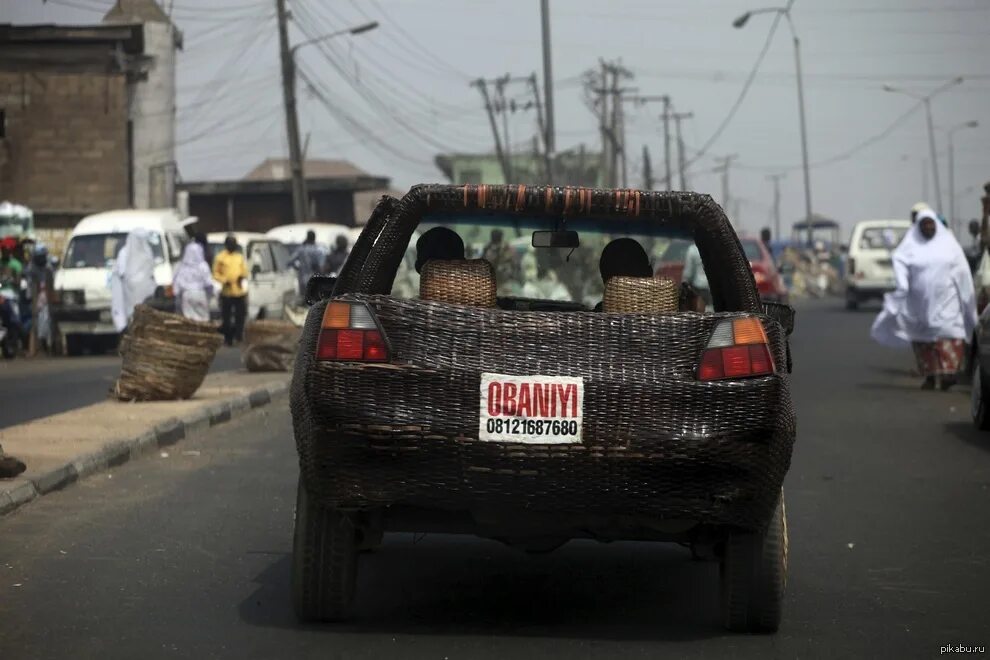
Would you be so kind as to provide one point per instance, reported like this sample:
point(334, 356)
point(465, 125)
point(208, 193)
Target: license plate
point(538, 410)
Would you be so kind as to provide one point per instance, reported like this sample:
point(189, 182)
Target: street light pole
point(300, 197)
point(952, 167)
point(927, 101)
point(786, 13)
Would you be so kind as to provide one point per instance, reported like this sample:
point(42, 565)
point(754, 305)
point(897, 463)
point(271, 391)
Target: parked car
point(273, 282)
point(82, 282)
point(532, 421)
point(769, 281)
point(869, 271)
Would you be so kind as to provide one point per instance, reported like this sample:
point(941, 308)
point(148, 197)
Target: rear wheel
point(753, 575)
point(852, 301)
point(74, 345)
point(324, 560)
point(978, 403)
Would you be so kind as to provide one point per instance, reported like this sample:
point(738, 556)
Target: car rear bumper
point(83, 321)
point(869, 290)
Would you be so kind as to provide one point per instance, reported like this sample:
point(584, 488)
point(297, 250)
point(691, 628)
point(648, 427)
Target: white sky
point(406, 84)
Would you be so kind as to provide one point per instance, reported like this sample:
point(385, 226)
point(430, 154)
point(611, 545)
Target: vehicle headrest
point(458, 282)
point(640, 295)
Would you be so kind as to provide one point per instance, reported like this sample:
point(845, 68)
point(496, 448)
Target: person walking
point(338, 255)
point(307, 260)
point(132, 280)
point(230, 269)
point(193, 284)
point(933, 308)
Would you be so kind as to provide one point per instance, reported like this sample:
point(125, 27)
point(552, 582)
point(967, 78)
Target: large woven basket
point(270, 345)
point(166, 356)
point(458, 282)
point(640, 295)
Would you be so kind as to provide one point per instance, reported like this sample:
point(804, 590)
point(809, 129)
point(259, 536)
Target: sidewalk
point(64, 448)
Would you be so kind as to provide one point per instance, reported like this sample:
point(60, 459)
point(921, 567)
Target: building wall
point(153, 117)
point(65, 151)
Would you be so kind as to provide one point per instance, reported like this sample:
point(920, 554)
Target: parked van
point(326, 234)
point(82, 282)
point(869, 268)
point(272, 283)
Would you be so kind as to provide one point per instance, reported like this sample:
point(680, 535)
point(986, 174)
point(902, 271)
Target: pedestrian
point(40, 277)
point(193, 284)
point(132, 280)
point(501, 257)
point(307, 260)
point(230, 269)
point(694, 275)
point(10, 266)
point(933, 308)
point(337, 256)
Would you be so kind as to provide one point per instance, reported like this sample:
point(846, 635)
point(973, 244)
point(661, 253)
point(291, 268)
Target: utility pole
point(647, 169)
point(681, 160)
point(482, 86)
point(544, 132)
point(503, 103)
point(666, 142)
point(723, 167)
point(300, 199)
point(549, 137)
point(776, 202)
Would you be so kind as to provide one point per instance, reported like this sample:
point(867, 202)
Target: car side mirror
point(320, 287)
point(781, 313)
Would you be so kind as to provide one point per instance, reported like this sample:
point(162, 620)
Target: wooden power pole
point(300, 201)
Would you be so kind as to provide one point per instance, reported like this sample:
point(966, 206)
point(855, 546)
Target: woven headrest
point(459, 282)
point(643, 295)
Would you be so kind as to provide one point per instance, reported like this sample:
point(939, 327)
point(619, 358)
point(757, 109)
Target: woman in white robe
point(193, 284)
point(132, 280)
point(933, 308)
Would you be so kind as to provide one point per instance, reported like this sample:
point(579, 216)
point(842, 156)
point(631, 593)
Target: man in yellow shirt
point(230, 269)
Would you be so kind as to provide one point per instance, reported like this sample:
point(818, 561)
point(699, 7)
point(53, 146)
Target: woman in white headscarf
point(132, 280)
point(193, 284)
point(933, 308)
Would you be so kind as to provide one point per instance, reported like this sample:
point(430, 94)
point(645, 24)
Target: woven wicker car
point(477, 408)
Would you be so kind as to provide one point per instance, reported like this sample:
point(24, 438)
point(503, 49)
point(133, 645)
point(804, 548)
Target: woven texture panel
point(165, 356)
point(458, 282)
point(646, 295)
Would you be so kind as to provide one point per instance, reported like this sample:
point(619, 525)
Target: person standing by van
point(193, 284)
point(230, 269)
point(307, 260)
point(132, 280)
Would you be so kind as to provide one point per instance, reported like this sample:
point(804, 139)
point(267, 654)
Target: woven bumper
point(656, 442)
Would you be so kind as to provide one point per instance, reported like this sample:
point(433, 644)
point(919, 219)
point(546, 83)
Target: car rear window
point(752, 250)
point(881, 238)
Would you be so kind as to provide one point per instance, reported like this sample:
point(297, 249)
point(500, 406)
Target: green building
point(574, 167)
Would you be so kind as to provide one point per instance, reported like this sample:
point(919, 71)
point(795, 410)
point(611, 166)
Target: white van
point(272, 283)
point(82, 280)
point(869, 267)
point(326, 234)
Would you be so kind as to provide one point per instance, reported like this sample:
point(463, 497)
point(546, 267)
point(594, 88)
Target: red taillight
point(351, 332)
point(737, 349)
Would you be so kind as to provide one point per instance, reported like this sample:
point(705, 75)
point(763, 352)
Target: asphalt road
point(35, 388)
point(188, 556)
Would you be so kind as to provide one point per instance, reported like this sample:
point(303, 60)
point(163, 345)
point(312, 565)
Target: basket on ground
point(270, 345)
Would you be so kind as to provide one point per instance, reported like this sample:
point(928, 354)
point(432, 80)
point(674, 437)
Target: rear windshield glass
point(99, 250)
point(752, 250)
point(881, 238)
point(547, 273)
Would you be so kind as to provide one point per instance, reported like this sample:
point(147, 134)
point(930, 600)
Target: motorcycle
point(10, 337)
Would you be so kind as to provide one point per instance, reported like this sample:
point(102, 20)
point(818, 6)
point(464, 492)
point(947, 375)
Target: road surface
point(35, 388)
point(188, 556)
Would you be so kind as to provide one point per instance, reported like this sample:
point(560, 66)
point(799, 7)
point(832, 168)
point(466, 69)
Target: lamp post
point(300, 198)
point(952, 167)
point(786, 13)
point(927, 100)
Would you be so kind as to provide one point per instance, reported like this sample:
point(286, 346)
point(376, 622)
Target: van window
point(99, 250)
point(881, 238)
point(282, 257)
point(261, 255)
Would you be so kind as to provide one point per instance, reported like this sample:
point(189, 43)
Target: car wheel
point(74, 345)
point(324, 560)
point(852, 302)
point(753, 576)
point(978, 403)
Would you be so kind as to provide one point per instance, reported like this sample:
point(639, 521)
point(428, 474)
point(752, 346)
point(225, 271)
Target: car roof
point(241, 236)
point(899, 222)
point(124, 220)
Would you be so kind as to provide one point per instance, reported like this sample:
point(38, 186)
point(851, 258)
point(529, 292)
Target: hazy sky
point(401, 94)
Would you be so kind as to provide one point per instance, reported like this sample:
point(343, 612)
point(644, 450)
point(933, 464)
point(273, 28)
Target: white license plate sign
point(538, 410)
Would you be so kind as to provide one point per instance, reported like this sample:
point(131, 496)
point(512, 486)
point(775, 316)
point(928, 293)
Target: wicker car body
point(663, 456)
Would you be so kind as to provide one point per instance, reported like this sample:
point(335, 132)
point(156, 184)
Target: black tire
point(978, 402)
point(74, 345)
point(10, 345)
point(324, 561)
point(754, 575)
point(852, 302)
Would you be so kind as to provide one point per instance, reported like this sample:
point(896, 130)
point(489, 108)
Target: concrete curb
point(119, 452)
